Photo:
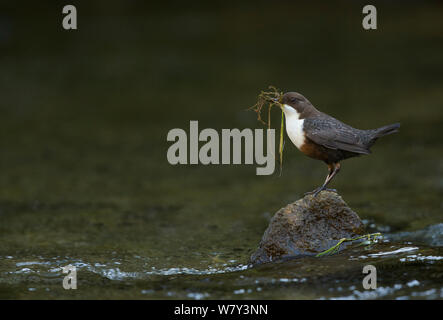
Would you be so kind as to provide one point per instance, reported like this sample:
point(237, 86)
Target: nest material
point(269, 99)
point(371, 238)
point(266, 98)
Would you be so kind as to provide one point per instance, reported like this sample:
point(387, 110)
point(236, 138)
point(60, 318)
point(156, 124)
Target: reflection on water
point(84, 175)
point(115, 273)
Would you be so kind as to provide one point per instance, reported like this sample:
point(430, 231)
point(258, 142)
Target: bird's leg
point(333, 170)
point(330, 170)
point(336, 169)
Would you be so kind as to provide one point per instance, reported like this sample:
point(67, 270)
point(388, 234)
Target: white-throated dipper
point(325, 138)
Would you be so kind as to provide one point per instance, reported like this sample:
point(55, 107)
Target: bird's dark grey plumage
point(328, 139)
point(336, 135)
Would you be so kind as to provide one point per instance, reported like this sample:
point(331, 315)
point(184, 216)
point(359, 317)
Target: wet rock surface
point(308, 226)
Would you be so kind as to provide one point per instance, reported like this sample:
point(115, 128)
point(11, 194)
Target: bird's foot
point(314, 192)
point(318, 190)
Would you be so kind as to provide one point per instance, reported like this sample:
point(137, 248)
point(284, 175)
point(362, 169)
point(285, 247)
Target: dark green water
point(85, 180)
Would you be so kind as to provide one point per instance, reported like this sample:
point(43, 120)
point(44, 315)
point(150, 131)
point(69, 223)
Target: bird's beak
point(277, 101)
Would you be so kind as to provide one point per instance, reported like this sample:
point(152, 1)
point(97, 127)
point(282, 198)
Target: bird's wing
point(333, 134)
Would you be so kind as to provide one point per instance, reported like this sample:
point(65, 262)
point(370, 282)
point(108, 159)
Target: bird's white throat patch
point(294, 126)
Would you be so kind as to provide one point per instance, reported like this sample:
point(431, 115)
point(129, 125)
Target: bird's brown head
point(297, 102)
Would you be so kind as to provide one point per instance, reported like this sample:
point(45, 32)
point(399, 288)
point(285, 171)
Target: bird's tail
point(384, 131)
point(381, 132)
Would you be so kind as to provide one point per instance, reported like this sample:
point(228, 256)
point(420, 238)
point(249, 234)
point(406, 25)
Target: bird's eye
point(294, 99)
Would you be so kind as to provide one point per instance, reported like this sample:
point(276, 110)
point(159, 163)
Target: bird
point(322, 137)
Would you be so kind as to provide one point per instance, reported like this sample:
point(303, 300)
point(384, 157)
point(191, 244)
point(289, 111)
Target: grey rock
point(307, 227)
